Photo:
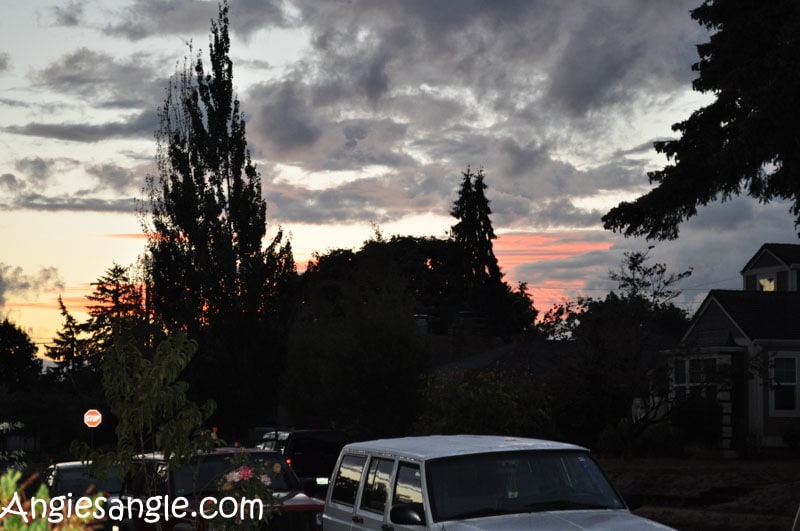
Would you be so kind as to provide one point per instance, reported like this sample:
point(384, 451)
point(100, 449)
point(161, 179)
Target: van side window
point(345, 486)
point(408, 485)
point(376, 488)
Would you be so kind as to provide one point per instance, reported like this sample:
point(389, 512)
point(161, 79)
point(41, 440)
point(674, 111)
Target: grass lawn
point(712, 495)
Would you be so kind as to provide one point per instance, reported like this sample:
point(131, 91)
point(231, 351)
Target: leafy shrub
point(698, 419)
point(16, 511)
point(791, 437)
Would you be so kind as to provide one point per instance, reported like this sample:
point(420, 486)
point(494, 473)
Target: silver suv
point(472, 482)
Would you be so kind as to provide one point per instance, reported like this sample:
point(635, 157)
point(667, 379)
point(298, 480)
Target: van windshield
point(471, 486)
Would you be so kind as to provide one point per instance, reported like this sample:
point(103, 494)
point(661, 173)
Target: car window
point(345, 486)
point(408, 485)
point(78, 481)
point(208, 474)
point(376, 486)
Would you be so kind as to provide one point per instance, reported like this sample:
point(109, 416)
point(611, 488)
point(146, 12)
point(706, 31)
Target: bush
point(698, 419)
point(660, 440)
point(791, 437)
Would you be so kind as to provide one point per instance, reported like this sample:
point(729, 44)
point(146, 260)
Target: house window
point(695, 376)
point(783, 391)
point(766, 282)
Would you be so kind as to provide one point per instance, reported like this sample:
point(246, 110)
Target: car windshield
point(76, 480)
point(472, 486)
point(208, 474)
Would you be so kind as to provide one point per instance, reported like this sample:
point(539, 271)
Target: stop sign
point(92, 418)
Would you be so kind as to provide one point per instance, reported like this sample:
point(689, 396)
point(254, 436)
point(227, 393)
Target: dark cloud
point(614, 51)
point(114, 177)
point(9, 183)
point(69, 14)
point(284, 116)
point(146, 18)
point(103, 80)
point(13, 279)
point(78, 202)
point(36, 169)
point(140, 125)
point(5, 61)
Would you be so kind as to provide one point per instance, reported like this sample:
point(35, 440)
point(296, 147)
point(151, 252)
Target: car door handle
point(387, 527)
point(358, 520)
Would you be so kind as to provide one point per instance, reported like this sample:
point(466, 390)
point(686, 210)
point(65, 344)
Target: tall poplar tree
point(211, 276)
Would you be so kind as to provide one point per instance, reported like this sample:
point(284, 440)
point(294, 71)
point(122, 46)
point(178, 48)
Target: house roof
point(758, 314)
point(787, 253)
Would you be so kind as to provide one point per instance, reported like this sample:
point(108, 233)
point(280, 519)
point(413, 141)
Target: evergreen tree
point(70, 347)
point(746, 140)
point(210, 275)
point(474, 230)
point(115, 297)
point(492, 306)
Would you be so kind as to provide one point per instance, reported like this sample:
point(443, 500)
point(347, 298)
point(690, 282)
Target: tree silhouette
point(70, 347)
point(19, 366)
point(211, 278)
point(474, 231)
point(747, 140)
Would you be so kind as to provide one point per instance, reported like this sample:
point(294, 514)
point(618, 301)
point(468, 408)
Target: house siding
point(782, 281)
point(766, 260)
point(714, 320)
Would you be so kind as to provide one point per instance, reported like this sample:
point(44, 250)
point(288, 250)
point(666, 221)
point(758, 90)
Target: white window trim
point(784, 413)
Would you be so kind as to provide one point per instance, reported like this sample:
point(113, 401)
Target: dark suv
point(311, 453)
point(208, 476)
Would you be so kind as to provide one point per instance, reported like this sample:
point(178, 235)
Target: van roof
point(435, 446)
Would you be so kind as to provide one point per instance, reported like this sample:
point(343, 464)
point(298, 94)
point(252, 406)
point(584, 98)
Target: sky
point(362, 114)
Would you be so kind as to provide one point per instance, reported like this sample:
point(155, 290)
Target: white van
point(472, 482)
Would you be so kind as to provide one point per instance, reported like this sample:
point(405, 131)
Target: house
point(743, 348)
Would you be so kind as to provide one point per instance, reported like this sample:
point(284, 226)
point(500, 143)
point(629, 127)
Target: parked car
point(75, 478)
point(473, 482)
point(311, 453)
point(208, 475)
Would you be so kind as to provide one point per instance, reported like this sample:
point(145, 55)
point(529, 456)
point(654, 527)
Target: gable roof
point(757, 314)
point(787, 253)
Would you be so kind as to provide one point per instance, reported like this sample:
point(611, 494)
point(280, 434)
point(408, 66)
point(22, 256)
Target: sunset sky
point(361, 113)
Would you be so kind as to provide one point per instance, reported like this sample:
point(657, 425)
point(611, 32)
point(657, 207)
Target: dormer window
point(766, 282)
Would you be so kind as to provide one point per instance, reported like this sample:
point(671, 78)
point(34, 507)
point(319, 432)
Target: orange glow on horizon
point(128, 236)
point(513, 251)
point(517, 248)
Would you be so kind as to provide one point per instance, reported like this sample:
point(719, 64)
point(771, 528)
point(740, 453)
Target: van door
point(341, 500)
point(407, 492)
point(371, 513)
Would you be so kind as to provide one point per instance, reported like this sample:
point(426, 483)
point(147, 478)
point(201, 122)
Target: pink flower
point(245, 473)
point(266, 480)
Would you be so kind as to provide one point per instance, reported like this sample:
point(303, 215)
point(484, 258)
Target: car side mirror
point(407, 514)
